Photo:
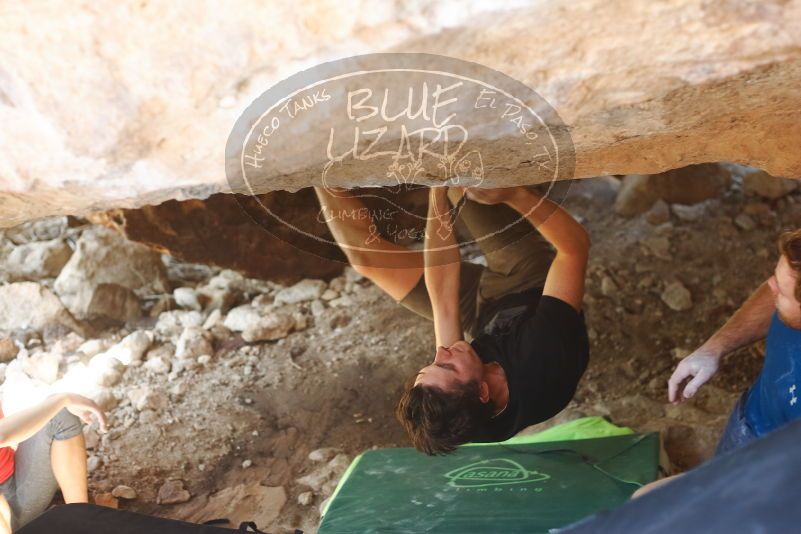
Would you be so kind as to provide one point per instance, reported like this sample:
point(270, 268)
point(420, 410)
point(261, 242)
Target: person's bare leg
point(5, 516)
point(652, 486)
point(393, 268)
point(68, 459)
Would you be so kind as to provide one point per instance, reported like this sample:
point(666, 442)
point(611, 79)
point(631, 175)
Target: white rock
point(93, 347)
point(242, 318)
point(187, 297)
point(269, 328)
point(227, 279)
point(324, 454)
point(172, 323)
point(317, 308)
point(25, 305)
point(157, 365)
point(108, 377)
point(325, 478)
point(42, 366)
point(692, 213)
point(215, 318)
point(104, 259)
point(305, 498)
point(144, 398)
point(307, 289)
point(194, 341)
point(329, 294)
point(131, 348)
point(341, 302)
point(36, 260)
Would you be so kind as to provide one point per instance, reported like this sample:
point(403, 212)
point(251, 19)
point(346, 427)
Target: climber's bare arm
point(442, 269)
point(393, 268)
point(565, 279)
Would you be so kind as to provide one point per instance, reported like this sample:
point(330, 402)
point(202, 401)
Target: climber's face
point(783, 284)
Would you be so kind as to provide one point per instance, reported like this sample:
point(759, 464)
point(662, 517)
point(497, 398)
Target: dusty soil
point(335, 384)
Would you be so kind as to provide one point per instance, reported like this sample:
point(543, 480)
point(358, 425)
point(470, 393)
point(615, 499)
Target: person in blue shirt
point(772, 311)
point(774, 399)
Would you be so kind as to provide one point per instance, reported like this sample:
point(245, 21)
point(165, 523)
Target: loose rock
point(194, 341)
point(144, 398)
point(271, 327)
point(677, 297)
point(304, 290)
point(173, 492)
point(124, 492)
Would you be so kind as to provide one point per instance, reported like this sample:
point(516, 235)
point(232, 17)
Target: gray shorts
point(518, 258)
point(30, 490)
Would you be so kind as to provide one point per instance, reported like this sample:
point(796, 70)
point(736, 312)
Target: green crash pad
point(521, 485)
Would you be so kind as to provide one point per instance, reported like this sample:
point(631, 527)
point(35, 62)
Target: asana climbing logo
point(372, 133)
point(493, 473)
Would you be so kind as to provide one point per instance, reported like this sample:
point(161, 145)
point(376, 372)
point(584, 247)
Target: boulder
point(32, 261)
point(760, 183)
point(28, 305)
point(103, 272)
point(620, 77)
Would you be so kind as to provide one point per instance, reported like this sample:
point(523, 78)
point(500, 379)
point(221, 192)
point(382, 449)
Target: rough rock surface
point(106, 118)
point(28, 305)
point(104, 271)
point(221, 231)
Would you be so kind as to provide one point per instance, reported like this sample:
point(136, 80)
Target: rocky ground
point(244, 399)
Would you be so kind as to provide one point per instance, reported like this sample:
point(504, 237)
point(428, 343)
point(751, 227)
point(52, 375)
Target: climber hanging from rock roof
point(522, 313)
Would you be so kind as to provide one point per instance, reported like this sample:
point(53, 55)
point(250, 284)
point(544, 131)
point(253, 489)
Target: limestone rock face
point(131, 105)
point(103, 273)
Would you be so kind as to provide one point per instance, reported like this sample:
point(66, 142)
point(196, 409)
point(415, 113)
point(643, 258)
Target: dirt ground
point(335, 384)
